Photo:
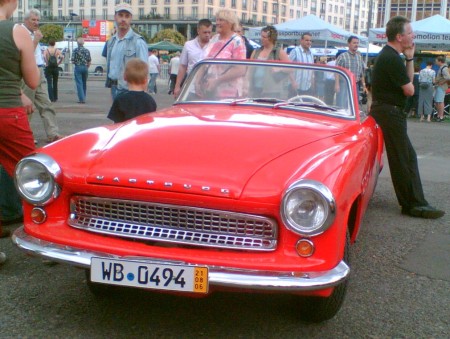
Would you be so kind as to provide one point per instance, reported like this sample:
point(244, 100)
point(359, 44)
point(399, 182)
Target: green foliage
point(170, 35)
point(143, 34)
point(51, 31)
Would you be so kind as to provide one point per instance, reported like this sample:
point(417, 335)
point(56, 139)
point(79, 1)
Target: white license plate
point(156, 276)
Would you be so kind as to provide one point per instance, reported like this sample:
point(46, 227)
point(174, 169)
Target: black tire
point(98, 71)
point(318, 309)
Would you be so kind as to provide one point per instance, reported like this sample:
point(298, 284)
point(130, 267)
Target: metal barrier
point(164, 73)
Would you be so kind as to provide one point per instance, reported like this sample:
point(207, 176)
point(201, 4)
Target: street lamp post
point(69, 40)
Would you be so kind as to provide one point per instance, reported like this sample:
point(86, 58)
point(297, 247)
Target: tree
point(51, 31)
point(143, 34)
point(169, 34)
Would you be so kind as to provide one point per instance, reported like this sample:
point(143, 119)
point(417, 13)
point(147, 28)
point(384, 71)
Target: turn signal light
point(38, 215)
point(305, 248)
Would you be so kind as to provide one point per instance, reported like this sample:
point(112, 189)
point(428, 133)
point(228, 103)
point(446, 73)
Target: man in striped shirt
point(304, 79)
point(353, 61)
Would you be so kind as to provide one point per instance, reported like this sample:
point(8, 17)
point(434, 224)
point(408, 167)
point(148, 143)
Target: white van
point(98, 63)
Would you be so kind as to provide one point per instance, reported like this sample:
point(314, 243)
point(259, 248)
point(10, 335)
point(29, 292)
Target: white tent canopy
point(321, 31)
point(432, 33)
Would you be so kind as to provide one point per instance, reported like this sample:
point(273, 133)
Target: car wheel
point(98, 71)
point(99, 290)
point(318, 309)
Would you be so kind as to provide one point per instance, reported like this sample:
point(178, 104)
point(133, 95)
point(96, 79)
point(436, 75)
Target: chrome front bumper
point(218, 276)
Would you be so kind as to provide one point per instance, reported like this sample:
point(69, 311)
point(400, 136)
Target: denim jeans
point(52, 75)
point(81, 75)
point(152, 83)
point(10, 203)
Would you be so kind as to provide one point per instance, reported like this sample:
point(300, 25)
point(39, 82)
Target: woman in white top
point(269, 49)
point(263, 81)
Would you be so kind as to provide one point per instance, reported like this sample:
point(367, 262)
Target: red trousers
point(16, 138)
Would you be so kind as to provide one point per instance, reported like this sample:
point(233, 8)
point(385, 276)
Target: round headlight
point(308, 207)
point(35, 179)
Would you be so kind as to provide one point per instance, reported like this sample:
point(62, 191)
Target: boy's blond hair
point(136, 72)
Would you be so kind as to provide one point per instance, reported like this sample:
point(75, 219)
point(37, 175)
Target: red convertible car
point(242, 184)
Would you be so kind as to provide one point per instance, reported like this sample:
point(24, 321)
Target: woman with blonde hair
point(224, 45)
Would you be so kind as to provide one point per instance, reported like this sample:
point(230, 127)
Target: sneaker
point(425, 212)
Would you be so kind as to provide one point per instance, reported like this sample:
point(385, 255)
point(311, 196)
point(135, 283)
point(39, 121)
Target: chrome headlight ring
point(308, 207)
point(36, 178)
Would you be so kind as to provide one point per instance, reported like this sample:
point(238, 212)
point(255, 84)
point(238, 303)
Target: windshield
point(278, 85)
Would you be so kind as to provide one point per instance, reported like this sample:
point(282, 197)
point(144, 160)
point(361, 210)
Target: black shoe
point(426, 212)
point(12, 221)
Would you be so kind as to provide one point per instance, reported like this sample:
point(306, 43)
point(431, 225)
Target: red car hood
point(201, 150)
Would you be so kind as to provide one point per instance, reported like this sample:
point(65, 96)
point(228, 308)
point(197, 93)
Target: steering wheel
point(306, 99)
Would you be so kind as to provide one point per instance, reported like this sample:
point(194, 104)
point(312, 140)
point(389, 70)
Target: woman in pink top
point(226, 81)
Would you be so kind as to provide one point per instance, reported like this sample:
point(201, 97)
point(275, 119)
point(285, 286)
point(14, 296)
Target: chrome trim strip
point(218, 276)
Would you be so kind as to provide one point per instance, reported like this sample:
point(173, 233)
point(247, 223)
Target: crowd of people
point(131, 74)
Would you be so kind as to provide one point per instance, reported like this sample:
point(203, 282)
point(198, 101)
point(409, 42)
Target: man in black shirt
point(391, 84)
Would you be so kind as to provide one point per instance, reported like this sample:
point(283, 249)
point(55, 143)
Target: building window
point(222, 3)
point(81, 14)
point(154, 2)
point(264, 7)
point(141, 2)
point(92, 2)
point(105, 2)
point(93, 15)
point(81, 3)
point(59, 3)
point(70, 3)
point(181, 1)
point(59, 14)
point(274, 8)
point(141, 12)
point(233, 3)
point(244, 4)
point(167, 12)
point(210, 2)
point(264, 19)
point(210, 12)
point(105, 14)
point(195, 12)
point(180, 12)
point(166, 2)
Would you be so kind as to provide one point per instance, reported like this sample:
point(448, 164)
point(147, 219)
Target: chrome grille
point(171, 223)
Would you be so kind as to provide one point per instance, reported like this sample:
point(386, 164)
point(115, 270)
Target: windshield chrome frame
point(291, 65)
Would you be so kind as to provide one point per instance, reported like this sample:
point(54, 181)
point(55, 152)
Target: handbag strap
point(226, 44)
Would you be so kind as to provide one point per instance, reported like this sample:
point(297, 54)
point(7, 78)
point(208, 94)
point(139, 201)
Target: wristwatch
point(407, 60)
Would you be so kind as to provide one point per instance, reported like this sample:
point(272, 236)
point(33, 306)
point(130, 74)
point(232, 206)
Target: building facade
point(153, 15)
point(412, 9)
